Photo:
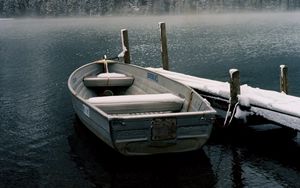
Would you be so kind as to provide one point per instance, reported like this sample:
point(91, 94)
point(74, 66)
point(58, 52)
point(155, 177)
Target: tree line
point(16, 8)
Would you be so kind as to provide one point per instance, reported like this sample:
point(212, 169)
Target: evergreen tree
point(21, 6)
point(72, 7)
point(1, 7)
point(34, 7)
point(9, 8)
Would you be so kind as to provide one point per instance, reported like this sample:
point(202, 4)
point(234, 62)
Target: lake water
point(42, 144)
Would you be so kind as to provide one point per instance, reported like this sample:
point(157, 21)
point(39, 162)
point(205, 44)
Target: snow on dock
point(274, 106)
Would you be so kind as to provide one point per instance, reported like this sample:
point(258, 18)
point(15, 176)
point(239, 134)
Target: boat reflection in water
point(104, 167)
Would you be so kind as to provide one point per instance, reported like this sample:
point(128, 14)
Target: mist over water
point(42, 144)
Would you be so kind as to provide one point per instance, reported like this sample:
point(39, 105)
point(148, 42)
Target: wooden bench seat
point(108, 80)
point(138, 103)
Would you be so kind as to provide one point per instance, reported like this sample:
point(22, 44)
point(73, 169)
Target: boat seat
point(138, 103)
point(108, 79)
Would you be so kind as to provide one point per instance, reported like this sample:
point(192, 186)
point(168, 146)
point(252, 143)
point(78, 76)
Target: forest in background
point(56, 8)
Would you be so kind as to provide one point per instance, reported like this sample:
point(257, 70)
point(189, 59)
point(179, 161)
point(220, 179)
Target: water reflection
point(236, 168)
point(106, 168)
point(255, 157)
point(232, 158)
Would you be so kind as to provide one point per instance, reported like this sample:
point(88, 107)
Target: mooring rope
point(111, 58)
point(230, 114)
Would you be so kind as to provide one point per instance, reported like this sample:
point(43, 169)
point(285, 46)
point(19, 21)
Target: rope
point(227, 115)
point(231, 115)
point(120, 55)
point(233, 112)
point(111, 58)
point(114, 58)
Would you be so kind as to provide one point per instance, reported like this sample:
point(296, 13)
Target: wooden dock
point(235, 103)
point(276, 107)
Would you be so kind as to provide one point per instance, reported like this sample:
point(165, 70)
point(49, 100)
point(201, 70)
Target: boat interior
point(117, 90)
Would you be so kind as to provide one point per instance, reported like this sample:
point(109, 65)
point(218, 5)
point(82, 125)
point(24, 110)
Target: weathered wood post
point(125, 45)
point(164, 47)
point(284, 79)
point(235, 88)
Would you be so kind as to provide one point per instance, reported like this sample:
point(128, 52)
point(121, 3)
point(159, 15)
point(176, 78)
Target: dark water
point(42, 144)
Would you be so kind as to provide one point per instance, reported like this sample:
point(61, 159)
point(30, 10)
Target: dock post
point(125, 45)
point(164, 47)
point(284, 79)
point(235, 88)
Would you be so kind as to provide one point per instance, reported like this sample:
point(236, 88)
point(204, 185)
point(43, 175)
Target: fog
point(58, 8)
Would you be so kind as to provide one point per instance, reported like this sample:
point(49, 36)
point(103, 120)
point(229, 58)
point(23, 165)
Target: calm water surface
point(42, 144)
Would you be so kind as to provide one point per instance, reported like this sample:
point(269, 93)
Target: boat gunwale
point(83, 101)
point(163, 115)
point(139, 116)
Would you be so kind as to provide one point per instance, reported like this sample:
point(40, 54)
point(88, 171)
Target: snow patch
point(111, 75)
point(232, 71)
point(241, 114)
point(244, 101)
point(122, 54)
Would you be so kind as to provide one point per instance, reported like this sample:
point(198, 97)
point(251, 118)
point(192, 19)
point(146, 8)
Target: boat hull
point(143, 133)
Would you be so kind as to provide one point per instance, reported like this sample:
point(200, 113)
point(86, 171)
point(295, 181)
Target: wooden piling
point(235, 88)
point(164, 48)
point(125, 45)
point(284, 79)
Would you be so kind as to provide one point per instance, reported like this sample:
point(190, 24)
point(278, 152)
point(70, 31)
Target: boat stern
point(161, 134)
